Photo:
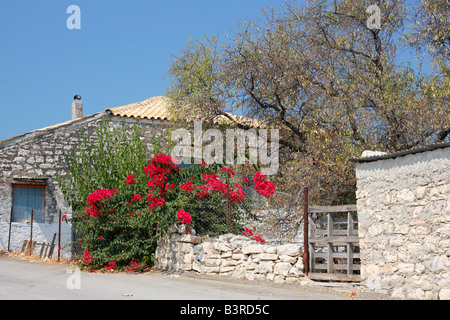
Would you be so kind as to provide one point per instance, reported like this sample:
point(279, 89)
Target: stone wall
point(404, 224)
point(229, 255)
point(36, 158)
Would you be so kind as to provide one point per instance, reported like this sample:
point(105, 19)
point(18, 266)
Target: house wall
point(39, 155)
point(404, 225)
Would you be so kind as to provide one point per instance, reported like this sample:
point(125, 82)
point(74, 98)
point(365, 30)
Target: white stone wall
point(229, 255)
point(404, 224)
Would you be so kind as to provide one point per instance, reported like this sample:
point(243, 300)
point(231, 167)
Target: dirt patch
point(22, 256)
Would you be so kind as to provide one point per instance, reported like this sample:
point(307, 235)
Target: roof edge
point(402, 153)
point(11, 140)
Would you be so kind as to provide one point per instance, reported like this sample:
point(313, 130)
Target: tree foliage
point(430, 31)
point(331, 83)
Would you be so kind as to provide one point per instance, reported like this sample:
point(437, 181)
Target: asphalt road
point(25, 280)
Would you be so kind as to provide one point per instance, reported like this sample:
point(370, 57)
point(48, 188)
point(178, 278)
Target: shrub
point(120, 227)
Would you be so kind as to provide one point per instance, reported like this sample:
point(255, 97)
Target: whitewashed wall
point(42, 232)
point(404, 224)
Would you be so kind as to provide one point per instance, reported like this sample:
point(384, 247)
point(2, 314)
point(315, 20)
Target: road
point(26, 280)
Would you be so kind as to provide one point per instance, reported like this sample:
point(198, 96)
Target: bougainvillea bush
point(120, 227)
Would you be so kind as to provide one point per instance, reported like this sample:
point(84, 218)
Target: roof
point(155, 108)
point(59, 125)
point(152, 108)
point(402, 153)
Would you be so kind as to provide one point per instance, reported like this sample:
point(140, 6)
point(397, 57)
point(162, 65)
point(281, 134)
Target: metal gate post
point(10, 222)
point(30, 244)
point(59, 236)
point(305, 232)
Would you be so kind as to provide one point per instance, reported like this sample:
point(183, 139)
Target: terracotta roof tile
point(155, 108)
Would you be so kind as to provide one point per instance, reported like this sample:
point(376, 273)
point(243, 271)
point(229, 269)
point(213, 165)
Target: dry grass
point(22, 256)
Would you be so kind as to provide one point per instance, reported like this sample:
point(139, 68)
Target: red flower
point(265, 188)
point(111, 266)
point(100, 238)
point(87, 256)
point(94, 199)
point(154, 202)
point(247, 182)
point(184, 216)
point(169, 186)
point(161, 164)
point(98, 195)
point(135, 266)
point(249, 233)
point(130, 179)
point(202, 194)
point(207, 177)
point(135, 197)
point(188, 186)
point(259, 239)
point(227, 170)
point(259, 176)
point(217, 185)
point(64, 218)
point(237, 196)
point(157, 180)
point(160, 202)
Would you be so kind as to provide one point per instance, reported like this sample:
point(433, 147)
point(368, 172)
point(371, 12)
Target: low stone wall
point(229, 255)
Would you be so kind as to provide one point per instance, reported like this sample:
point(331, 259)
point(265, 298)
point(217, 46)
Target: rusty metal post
point(228, 205)
point(52, 246)
point(59, 236)
point(228, 216)
point(10, 222)
point(30, 243)
point(305, 232)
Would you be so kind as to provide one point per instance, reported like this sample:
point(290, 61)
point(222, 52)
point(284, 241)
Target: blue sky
point(120, 55)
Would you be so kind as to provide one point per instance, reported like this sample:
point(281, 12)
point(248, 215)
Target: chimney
point(77, 108)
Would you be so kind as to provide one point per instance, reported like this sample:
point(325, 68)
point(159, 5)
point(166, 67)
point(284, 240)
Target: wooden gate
point(332, 250)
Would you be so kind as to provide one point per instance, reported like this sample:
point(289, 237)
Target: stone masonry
point(229, 255)
point(404, 224)
point(36, 158)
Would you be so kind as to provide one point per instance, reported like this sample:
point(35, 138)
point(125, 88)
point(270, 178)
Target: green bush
point(120, 214)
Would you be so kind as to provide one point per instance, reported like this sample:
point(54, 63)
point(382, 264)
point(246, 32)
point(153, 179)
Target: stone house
point(403, 202)
point(29, 164)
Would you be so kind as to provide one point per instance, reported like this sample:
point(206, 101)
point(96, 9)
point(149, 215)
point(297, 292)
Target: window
point(185, 165)
point(26, 198)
